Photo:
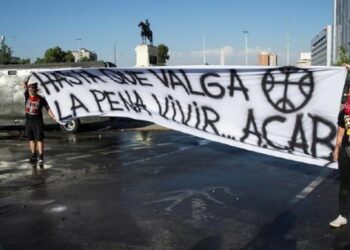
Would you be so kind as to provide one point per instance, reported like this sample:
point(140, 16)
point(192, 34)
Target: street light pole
point(78, 50)
point(115, 54)
point(287, 50)
point(204, 50)
point(246, 46)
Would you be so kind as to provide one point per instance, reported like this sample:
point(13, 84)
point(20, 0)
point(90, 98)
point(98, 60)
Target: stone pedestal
point(146, 55)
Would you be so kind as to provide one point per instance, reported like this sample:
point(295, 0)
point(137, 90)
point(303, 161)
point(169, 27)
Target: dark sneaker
point(32, 158)
point(41, 159)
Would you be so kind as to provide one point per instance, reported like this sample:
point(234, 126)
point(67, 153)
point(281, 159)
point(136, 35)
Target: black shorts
point(35, 130)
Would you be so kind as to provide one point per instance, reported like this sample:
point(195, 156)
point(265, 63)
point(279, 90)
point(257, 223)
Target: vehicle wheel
point(71, 126)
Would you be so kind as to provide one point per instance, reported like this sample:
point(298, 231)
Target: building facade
point(321, 48)
point(304, 59)
point(263, 59)
point(84, 53)
point(341, 24)
point(267, 59)
point(272, 59)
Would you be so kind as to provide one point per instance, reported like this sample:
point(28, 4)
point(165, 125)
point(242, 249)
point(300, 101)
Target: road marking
point(65, 154)
point(155, 156)
point(164, 144)
point(97, 150)
point(111, 152)
point(134, 148)
point(139, 147)
point(120, 150)
point(78, 157)
point(307, 190)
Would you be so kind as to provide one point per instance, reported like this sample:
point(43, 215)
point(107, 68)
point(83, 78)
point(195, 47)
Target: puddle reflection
point(72, 138)
point(38, 170)
point(144, 136)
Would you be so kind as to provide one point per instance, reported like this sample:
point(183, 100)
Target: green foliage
point(17, 60)
point(5, 54)
point(56, 55)
point(84, 59)
point(162, 54)
point(39, 60)
point(69, 56)
point(24, 61)
point(344, 57)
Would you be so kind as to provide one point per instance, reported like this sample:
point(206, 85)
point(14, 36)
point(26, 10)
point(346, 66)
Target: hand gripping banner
point(287, 112)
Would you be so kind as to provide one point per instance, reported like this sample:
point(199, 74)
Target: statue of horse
point(146, 32)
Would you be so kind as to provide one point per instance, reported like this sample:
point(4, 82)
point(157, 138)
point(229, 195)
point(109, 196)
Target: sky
point(31, 27)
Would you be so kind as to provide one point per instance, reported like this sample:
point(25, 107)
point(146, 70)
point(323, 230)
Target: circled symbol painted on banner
point(288, 89)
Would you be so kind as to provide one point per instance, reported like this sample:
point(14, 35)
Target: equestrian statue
point(146, 32)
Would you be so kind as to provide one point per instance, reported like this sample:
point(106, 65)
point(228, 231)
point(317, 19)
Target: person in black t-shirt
point(341, 154)
point(34, 125)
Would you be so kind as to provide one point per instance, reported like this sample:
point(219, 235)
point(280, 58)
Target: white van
point(12, 93)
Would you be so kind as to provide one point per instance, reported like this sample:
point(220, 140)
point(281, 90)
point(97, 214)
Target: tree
point(162, 54)
point(344, 56)
point(17, 60)
point(39, 60)
point(84, 59)
point(56, 55)
point(5, 53)
point(69, 56)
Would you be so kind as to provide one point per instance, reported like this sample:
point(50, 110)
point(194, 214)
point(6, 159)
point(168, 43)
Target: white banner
point(286, 112)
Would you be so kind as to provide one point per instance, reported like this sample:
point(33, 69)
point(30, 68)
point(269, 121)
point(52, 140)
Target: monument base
point(146, 55)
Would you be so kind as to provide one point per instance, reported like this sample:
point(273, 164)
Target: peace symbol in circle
point(288, 89)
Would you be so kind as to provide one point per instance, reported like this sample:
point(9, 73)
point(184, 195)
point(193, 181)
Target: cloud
point(199, 53)
point(213, 55)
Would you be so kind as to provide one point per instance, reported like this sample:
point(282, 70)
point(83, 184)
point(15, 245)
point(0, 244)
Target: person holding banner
point(341, 154)
point(34, 125)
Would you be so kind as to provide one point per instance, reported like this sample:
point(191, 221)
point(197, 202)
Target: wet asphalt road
point(111, 189)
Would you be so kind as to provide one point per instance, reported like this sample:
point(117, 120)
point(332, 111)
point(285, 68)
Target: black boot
point(41, 158)
point(32, 159)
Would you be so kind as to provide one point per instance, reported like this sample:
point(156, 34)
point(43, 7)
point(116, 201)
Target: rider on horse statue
point(146, 32)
